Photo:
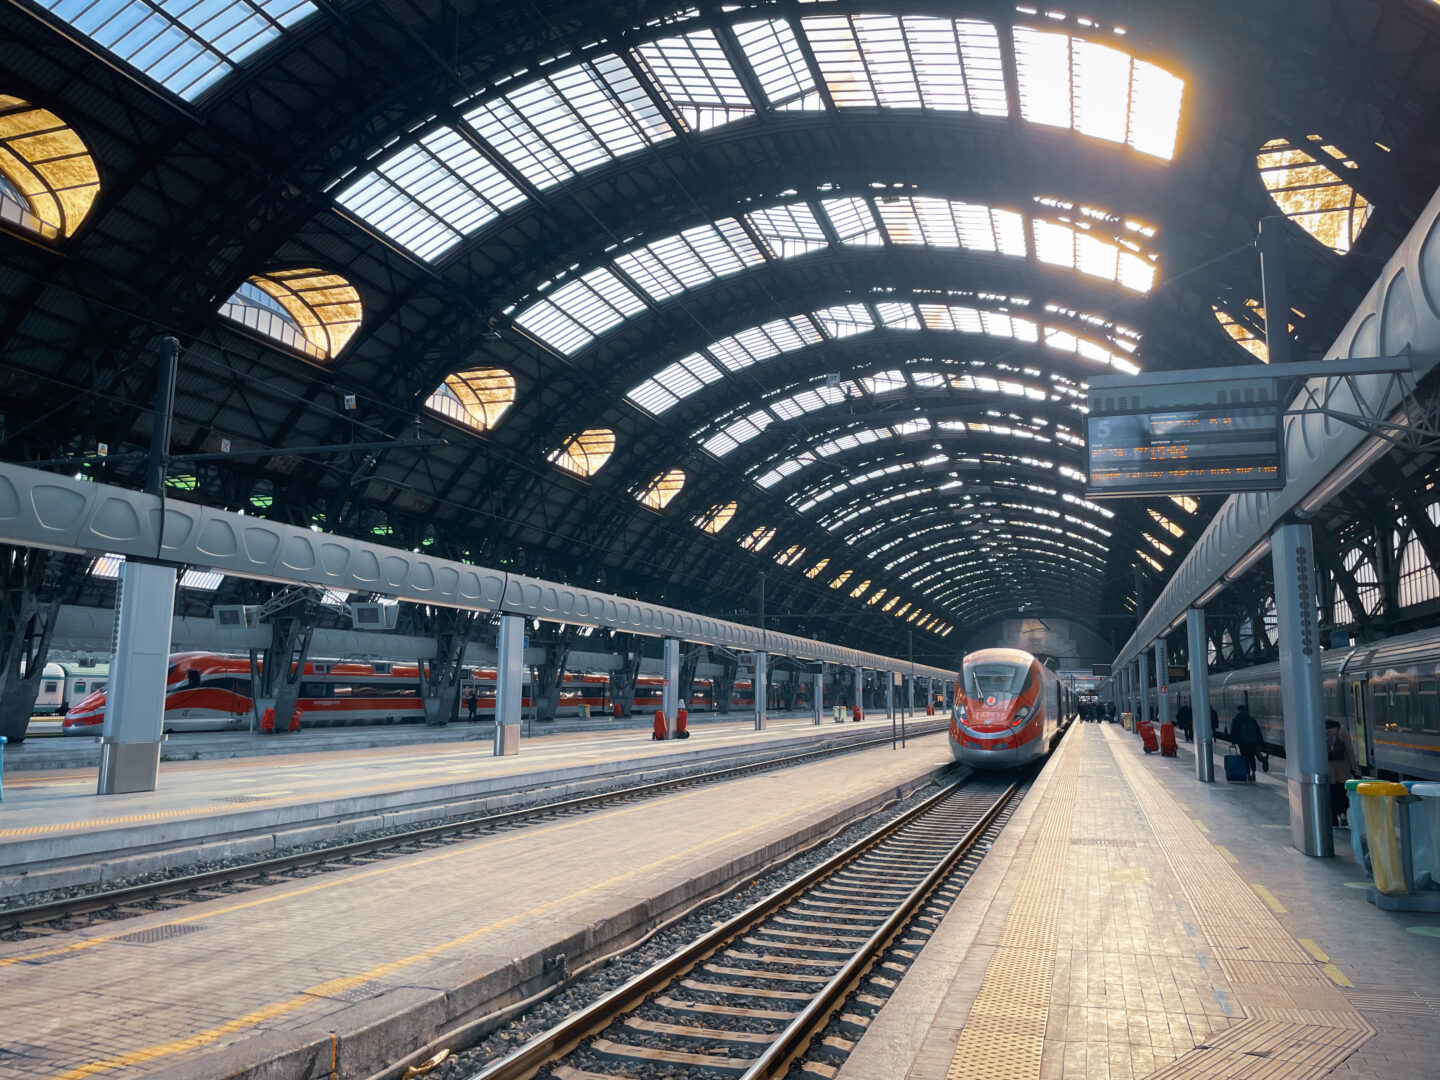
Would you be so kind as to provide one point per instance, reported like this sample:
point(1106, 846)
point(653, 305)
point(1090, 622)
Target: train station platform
point(343, 974)
point(1131, 922)
point(55, 832)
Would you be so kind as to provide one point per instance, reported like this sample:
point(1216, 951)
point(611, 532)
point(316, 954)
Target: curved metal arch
point(903, 525)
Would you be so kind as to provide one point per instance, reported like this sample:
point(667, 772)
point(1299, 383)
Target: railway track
point(109, 905)
point(756, 994)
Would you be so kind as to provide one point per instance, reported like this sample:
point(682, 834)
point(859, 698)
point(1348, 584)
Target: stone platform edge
point(55, 861)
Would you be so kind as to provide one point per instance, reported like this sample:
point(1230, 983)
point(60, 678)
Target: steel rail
point(30, 915)
point(546, 1048)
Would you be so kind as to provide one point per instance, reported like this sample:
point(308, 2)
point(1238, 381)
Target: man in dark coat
point(1245, 734)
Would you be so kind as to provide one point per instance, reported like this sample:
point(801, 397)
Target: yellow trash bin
point(1382, 832)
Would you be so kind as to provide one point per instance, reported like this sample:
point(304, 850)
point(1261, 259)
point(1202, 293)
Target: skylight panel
point(1097, 90)
point(697, 79)
point(186, 48)
point(974, 321)
point(909, 62)
point(896, 316)
point(775, 475)
point(691, 258)
point(760, 343)
point(575, 314)
point(913, 220)
point(845, 320)
point(815, 570)
point(1065, 245)
point(674, 383)
point(853, 222)
point(774, 55)
point(885, 382)
point(661, 491)
point(431, 193)
point(738, 432)
point(574, 120)
point(788, 231)
point(842, 579)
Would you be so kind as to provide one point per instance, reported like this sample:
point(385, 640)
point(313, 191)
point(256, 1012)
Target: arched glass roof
point(549, 126)
point(185, 47)
point(1094, 242)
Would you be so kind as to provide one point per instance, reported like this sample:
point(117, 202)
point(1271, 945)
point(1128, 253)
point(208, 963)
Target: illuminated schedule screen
point(1192, 451)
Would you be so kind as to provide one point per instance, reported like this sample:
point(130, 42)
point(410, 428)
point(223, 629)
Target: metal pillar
point(1307, 767)
point(135, 715)
point(1144, 713)
point(670, 696)
point(1162, 682)
point(1275, 294)
point(859, 702)
point(509, 683)
point(1200, 695)
point(817, 696)
point(890, 706)
point(761, 685)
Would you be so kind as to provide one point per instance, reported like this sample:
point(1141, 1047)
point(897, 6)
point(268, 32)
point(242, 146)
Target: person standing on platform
point(471, 705)
point(1245, 734)
point(1185, 721)
point(1341, 752)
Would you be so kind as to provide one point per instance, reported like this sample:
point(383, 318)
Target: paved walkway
point(65, 801)
point(351, 970)
point(1132, 923)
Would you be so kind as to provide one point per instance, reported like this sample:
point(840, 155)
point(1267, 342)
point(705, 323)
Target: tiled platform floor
point(1134, 923)
point(63, 801)
point(313, 965)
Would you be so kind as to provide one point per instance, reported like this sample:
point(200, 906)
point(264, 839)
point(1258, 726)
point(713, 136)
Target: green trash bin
point(584, 711)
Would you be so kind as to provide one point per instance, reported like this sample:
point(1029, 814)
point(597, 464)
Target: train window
point(382, 667)
point(79, 688)
point(51, 687)
point(1427, 707)
point(314, 690)
point(192, 679)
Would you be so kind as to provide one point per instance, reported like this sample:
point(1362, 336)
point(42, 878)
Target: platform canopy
point(812, 289)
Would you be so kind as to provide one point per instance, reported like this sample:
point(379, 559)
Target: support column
point(761, 684)
point(1200, 695)
point(1307, 767)
point(859, 700)
point(1162, 681)
point(670, 695)
point(1144, 713)
point(135, 714)
point(509, 683)
point(817, 695)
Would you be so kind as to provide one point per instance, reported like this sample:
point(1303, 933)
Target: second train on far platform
point(1009, 709)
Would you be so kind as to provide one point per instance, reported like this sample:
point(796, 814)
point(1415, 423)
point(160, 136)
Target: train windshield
point(998, 680)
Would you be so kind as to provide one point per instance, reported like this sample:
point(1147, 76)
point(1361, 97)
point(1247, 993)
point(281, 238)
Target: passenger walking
point(1341, 752)
point(1185, 721)
point(471, 705)
point(1245, 734)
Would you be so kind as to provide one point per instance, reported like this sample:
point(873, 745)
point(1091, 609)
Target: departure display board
point(1201, 450)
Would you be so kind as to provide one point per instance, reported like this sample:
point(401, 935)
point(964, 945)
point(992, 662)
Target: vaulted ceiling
point(844, 266)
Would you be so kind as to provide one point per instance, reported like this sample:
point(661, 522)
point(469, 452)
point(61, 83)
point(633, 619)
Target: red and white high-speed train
point(209, 692)
point(1008, 709)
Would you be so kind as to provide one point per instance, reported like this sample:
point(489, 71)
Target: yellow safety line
point(1225, 854)
point(1200, 825)
point(1336, 976)
point(1269, 898)
point(337, 986)
point(1308, 944)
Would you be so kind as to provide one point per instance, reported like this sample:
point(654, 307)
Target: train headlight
point(959, 713)
point(1022, 714)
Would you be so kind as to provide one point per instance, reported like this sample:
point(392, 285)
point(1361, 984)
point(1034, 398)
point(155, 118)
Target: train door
point(1359, 699)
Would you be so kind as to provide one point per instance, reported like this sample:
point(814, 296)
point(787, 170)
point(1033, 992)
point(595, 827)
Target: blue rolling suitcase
point(1235, 770)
